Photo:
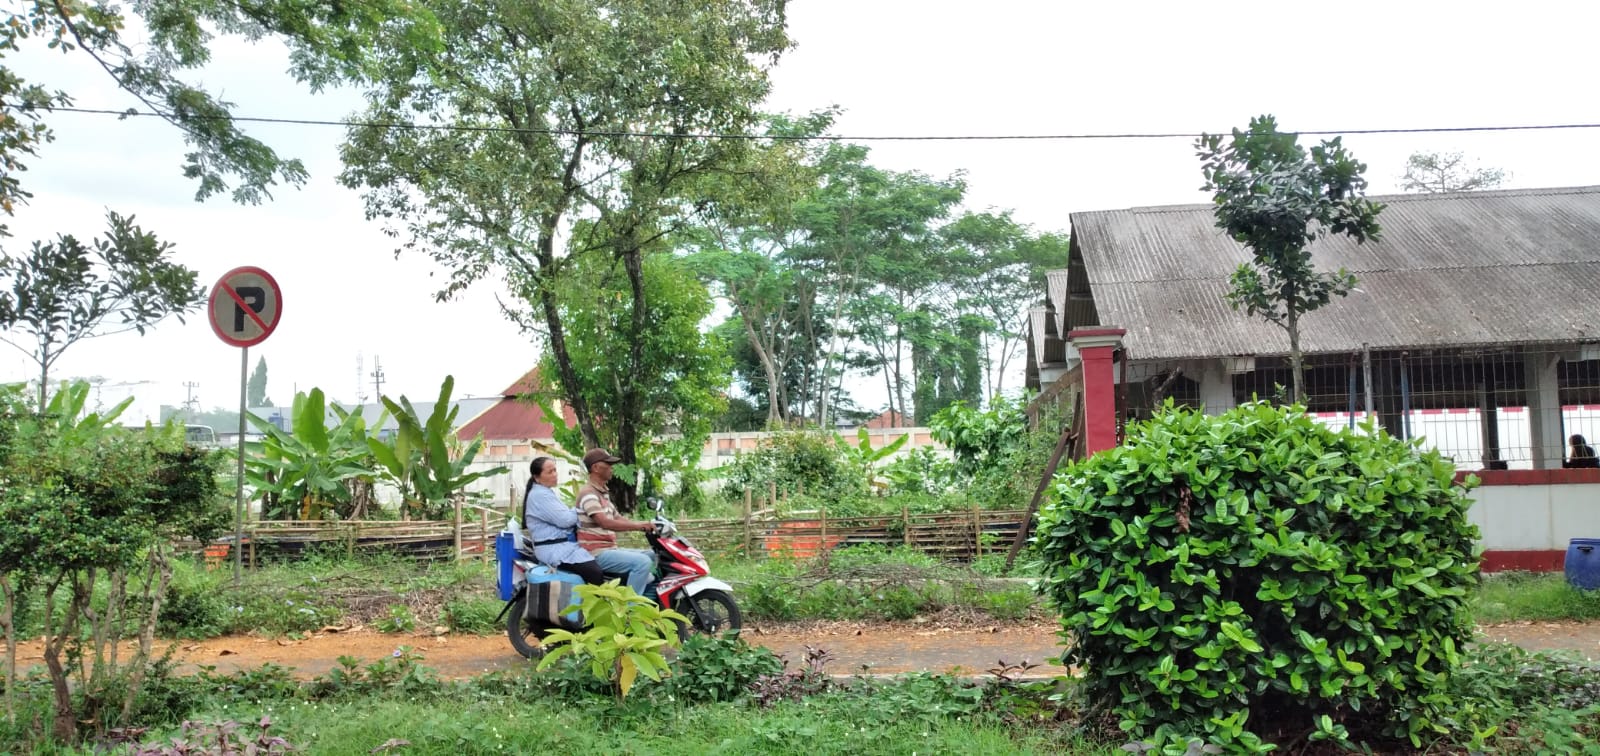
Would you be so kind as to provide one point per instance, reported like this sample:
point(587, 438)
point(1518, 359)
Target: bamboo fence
point(954, 535)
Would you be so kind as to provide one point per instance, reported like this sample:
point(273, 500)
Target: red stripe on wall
point(1531, 477)
point(1530, 561)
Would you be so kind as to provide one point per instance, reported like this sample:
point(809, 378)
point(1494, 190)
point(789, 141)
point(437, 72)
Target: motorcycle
point(537, 595)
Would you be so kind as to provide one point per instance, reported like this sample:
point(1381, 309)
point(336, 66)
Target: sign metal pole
point(238, 512)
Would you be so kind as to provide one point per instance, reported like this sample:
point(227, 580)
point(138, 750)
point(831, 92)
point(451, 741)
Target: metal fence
point(1513, 408)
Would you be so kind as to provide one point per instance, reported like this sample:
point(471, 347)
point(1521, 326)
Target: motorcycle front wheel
point(711, 612)
point(526, 635)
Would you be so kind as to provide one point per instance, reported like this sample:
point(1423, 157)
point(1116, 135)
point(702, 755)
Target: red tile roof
point(889, 419)
point(516, 417)
point(527, 384)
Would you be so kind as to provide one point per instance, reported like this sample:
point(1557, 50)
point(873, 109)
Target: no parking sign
point(245, 307)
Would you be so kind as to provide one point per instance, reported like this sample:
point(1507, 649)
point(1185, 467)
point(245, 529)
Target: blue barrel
point(1583, 563)
point(505, 551)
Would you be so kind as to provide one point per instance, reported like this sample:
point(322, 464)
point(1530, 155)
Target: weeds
point(400, 620)
point(1524, 596)
point(226, 738)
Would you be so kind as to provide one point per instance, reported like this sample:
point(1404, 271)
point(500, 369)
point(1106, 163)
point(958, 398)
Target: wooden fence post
point(905, 524)
point(772, 493)
point(749, 544)
point(456, 533)
point(822, 543)
point(251, 539)
point(483, 535)
point(977, 532)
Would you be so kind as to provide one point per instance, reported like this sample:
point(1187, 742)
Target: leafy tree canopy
point(1276, 198)
point(65, 291)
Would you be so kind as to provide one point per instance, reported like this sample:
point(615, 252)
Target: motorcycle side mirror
point(655, 504)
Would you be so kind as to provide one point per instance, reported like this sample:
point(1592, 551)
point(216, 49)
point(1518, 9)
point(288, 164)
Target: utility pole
point(190, 402)
point(361, 369)
point(377, 377)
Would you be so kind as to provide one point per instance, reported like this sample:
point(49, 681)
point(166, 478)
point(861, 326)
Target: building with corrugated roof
point(1483, 304)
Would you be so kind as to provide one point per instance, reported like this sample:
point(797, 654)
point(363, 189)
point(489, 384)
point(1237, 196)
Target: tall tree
point(872, 247)
point(1005, 264)
point(1276, 198)
point(256, 388)
point(680, 383)
point(1443, 172)
point(742, 246)
point(65, 291)
point(177, 39)
point(585, 109)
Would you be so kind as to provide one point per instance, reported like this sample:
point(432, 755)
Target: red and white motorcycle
point(683, 583)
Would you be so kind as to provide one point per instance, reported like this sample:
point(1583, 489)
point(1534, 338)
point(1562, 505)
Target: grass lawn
point(503, 725)
point(1523, 596)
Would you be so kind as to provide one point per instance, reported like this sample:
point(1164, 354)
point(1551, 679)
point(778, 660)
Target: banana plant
point(303, 472)
point(866, 458)
point(425, 461)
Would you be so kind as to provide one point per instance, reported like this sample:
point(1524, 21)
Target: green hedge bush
point(1257, 575)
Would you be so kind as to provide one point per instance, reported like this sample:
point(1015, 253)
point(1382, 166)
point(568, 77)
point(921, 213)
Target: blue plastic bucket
point(1583, 563)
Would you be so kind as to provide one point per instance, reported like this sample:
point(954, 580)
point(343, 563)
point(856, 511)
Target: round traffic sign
point(245, 306)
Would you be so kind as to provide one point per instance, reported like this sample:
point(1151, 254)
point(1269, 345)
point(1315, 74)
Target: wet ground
point(871, 648)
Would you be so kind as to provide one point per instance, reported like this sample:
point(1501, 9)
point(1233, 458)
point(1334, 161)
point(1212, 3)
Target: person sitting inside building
point(1581, 455)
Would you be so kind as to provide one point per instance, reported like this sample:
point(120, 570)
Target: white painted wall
point(1458, 434)
point(1535, 518)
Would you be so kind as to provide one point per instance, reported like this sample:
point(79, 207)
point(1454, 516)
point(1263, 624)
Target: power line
point(131, 113)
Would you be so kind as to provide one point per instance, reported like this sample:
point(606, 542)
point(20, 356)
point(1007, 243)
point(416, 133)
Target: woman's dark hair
point(534, 468)
point(1577, 440)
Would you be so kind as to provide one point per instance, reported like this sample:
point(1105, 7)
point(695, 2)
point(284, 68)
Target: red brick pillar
point(1095, 347)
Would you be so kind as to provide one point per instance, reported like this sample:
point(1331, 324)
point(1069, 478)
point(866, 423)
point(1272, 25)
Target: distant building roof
point(886, 419)
point(466, 409)
point(1458, 270)
point(515, 416)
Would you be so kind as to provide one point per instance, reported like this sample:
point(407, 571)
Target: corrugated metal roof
point(1453, 270)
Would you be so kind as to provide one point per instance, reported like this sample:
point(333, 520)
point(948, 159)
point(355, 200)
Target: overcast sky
point(897, 67)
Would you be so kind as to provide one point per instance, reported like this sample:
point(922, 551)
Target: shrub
point(794, 461)
point(995, 456)
point(294, 611)
point(192, 610)
point(1260, 569)
point(921, 470)
point(1509, 700)
point(480, 616)
point(227, 737)
point(976, 438)
point(1008, 604)
point(624, 636)
point(710, 668)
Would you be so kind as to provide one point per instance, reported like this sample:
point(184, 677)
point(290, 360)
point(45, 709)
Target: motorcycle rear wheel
point(526, 635)
point(713, 612)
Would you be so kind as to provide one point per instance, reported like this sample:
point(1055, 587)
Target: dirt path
point(874, 648)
